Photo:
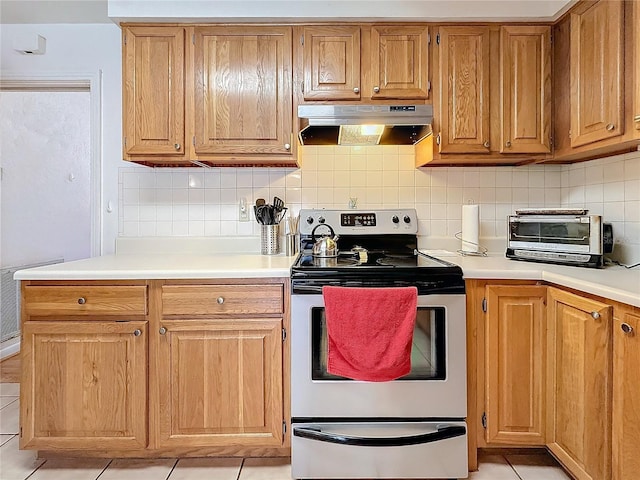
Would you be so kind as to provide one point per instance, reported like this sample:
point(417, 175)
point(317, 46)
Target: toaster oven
point(566, 238)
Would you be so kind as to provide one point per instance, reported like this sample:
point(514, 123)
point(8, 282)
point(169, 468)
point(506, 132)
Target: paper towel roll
point(470, 228)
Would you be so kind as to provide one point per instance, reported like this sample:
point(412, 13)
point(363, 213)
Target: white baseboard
point(9, 347)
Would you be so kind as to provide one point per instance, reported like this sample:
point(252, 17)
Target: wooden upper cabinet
point(464, 90)
point(399, 62)
point(525, 86)
point(626, 395)
point(579, 383)
point(84, 385)
point(331, 63)
point(242, 97)
point(597, 80)
point(153, 91)
point(515, 336)
point(636, 68)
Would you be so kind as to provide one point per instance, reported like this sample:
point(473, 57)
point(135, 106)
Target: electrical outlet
point(243, 212)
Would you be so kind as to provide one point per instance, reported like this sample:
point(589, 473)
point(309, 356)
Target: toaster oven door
point(579, 234)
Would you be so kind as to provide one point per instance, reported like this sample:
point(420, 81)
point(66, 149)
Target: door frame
point(75, 81)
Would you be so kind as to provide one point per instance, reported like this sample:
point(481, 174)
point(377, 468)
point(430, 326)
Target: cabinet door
point(399, 62)
point(515, 361)
point(331, 62)
point(243, 99)
point(636, 68)
point(597, 80)
point(464, 90)
point(525, 85)
point(626, 396)
point(84, 385)
point(579, 389)
point(220, 383)
point(153, 90)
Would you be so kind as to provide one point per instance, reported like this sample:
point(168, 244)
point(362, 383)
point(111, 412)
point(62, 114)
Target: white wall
point(72, 50)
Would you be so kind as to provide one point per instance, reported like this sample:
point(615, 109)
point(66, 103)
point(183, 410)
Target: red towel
point(370, 331)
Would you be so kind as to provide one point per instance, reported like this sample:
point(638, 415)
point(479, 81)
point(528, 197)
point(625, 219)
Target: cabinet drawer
point(221, 299)
point(110, 300)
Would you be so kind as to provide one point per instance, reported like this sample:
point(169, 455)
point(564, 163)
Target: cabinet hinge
point(124, 39)
point(551, 141)
point(484, 305)
point(301, 39)
point(438, 140)
point(484, 419)
point(125, 141)
point(428, 85)
point(438, 39)
point(428, 39)
point(284, 427)
point(193, 38)
point(284, 334)
point(20, 432)
point(302, 86)
point(193, 140)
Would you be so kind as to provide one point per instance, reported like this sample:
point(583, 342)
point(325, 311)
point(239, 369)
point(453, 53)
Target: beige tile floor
point(18, 464)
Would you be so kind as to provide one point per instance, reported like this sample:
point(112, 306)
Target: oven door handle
point(441, 434)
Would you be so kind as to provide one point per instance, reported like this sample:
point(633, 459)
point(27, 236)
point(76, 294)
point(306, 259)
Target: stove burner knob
point(395, 219)
point(309, 220)
point(407, 219)
point(321, 219)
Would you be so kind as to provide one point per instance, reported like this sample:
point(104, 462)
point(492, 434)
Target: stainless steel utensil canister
point(291, 244)
point(269, 239)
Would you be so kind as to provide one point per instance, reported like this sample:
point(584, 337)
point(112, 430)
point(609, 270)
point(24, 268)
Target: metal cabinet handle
point(287, 146)
point(162, 330)
point(376, 89)
point(627, 329)
point(610, 127)
point(595, 315)
point(137, 332)
point(82, 300)
point(508, 144)
point(486, 144)
point(177, 146)
point(220, 300)
point(356, 90)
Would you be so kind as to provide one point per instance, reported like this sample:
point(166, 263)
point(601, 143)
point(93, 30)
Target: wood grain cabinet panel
point(515, 361)
point(399, 62)
point(242, 97)
point(597, 80)
point(220, 383)
point(579, 383)
point(84, 385)
point(331, 62)
point(525, 84)
point(464, 90)
point(626, 395)
point(636, 67)
point(84, 300)
point(153, 91)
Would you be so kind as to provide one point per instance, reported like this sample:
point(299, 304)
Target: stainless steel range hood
point(364, 124)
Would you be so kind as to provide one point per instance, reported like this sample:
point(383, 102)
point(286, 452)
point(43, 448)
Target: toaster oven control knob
point(320, 219)
point(395, 219)
point(309, 220)
point(407, 219)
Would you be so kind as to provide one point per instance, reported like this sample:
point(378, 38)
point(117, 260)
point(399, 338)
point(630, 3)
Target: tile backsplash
point(206, 201)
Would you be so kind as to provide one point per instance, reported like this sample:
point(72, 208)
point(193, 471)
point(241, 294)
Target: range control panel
point(395, 221)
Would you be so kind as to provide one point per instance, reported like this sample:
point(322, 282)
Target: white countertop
point(613, 282)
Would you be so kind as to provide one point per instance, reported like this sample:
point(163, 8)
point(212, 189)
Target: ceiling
point(107, 11)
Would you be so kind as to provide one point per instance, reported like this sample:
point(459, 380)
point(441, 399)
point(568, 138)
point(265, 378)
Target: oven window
point(563, 233)
point(427, 353)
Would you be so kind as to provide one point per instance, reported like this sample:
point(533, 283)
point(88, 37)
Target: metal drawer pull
point(441, 434)
point(595, 315)
point(610, 127)
point(508, 144)
point(356, 90)
point(220, 300)
point(627, 329)
point(176, 146)
point(137, 332)
point(376, 89)
point(287, 146)
point(162, 330)
point(486, 144)
point(82, 300)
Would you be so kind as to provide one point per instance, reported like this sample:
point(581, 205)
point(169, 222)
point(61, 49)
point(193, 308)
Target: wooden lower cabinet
point(84, 385)
point(579, 383)
point(220, 383)
point(626, 393)
point(515, 357)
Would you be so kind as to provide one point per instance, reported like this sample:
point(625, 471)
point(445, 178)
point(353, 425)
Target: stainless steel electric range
point(412, 427)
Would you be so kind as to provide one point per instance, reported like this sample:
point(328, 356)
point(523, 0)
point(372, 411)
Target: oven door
point(435, 387)
point(379, 450)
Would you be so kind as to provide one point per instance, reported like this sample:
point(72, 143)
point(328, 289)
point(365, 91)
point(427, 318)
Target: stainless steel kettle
point(325, 246)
